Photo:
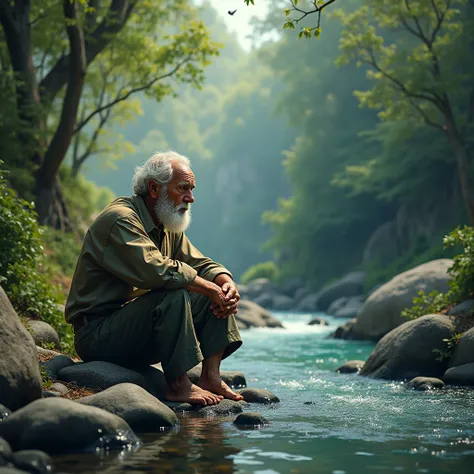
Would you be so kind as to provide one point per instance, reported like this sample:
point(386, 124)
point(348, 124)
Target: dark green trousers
point(174, 327)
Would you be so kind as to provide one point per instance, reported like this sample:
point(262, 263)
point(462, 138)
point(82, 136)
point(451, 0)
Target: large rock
point(350, 309)
point(460, 375)
point(54, 365)
point(253, 315)
point(44, 334)
point(259, 286)
point(282, 303)
point(350, 285)
point(381, 312)
point(265, 300)
point(464, 350)
point(141, 410)
point(308, 303)
point(346, 331)
point(57, 425)
point(409, 350)
point(20, 378)
point(102, 375)
point(424, 384)
point(462, 315)
point(258, 395)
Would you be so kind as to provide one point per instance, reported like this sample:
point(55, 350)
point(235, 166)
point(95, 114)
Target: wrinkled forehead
point(183, 174)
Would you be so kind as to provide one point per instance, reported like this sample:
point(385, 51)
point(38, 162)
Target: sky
point(240, 21)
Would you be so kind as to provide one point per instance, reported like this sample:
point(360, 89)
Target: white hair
point(159, 168)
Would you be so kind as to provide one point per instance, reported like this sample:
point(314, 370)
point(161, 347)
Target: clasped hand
point(225, 300)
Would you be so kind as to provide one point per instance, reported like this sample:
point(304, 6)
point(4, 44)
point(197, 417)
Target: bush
point(261, 270)
point(23, 271)
point(461, 286)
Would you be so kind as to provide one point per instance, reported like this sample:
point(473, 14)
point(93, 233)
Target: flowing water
point(326, 422)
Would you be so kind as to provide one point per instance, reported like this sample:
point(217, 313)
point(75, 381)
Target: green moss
point(261, 270)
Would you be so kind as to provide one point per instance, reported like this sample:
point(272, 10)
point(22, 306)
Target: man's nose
point(189, 197)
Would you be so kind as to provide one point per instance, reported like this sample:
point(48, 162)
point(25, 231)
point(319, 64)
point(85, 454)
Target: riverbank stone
point(250, 419)
point(43, 334)
point(318, 322)
point(233, 378)
point(142, 411)
point(406, 352)
point(59, 388)
point(460, 375)
point(351, 367)
point(20, 378)
point(251, 314)
point(425, 383)
point(58, 425)
point(56, 364)
point(4, 412)
point(225, 407)
point(33, 461)
point(346, 331)
point(258, 395)
point(464, 350)
point(102, 375)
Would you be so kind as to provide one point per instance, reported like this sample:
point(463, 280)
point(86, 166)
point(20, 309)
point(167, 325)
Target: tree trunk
point(464, 170)
point(51, 207)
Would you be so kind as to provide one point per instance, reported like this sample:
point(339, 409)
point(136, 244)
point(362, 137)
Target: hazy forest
point(313, 156)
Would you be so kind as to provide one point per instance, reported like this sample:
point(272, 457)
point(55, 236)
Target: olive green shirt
point(124, 255)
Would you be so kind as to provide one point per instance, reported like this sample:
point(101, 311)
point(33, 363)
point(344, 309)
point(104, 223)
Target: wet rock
point(350, 309)
point(102, 375)
point(425, 383)
point(381, 312)
point(250, 419)
point(232, 378)
point(253, 315)
point(265, 300)
point(460, 375)
point(43, 334)
point(282, 303)
point(4, 412)
point(11, 470)
point(318, 322)
point(56, 364)
point(407, 351)
point(258, 395)
point(142, 411)
point(308, 303)
point(351, 367)
point(178, 407)
point(59, 388)
point(20, 378)
point(464, 350)
point(50, 394)
point(346, 331)
point(5, 452)
point(57, 425)
point(223, 408)
point(33, 461)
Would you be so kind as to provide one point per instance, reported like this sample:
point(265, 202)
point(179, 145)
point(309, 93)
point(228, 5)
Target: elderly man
point(142, 294)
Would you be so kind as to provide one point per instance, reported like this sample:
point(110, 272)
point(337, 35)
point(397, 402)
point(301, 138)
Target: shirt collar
point(144, 214)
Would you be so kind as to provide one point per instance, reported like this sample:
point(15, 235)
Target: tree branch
point(120, 97)
point(117, 16)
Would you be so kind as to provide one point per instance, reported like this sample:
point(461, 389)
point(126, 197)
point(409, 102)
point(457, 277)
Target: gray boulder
point(282, 303)
point(253, 315)
point(464, 350)
point(350, 309)
point(259, 286)
point(424, 384)
point(318, 322)
point(43, 333)
point(345, 331)
point(142, 411)
point(258, 395)
point(20, 378)
point(408, 351)
point(290, 287)
point(336, 305)
point(59, 388)
point(102, 375)
point(308, 303)
point(5, 452)
point(250, 419)
point(233, 378)
point(463, 315)
point(351, 367)
point(350, 285)
point(300, 293)
point(57, 425)
point(381, 312)
point(460, 375)
point(265, 300)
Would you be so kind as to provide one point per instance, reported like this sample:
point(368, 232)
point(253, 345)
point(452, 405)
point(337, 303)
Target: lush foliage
point(23, 273)
point(261, 270)
point(461, 286)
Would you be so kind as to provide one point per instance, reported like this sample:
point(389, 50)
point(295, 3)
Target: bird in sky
point(231, 12)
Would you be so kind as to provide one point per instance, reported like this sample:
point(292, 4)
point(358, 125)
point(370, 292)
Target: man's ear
point(153, 189)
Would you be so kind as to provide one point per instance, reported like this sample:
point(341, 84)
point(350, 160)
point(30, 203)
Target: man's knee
point(174, 298)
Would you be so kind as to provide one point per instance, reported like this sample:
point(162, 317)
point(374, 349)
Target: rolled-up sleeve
point(205, 267)
point(132, 256)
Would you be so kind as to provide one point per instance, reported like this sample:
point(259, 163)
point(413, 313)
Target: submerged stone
point(250, 419)
point(425, 383)
point(34, 461)
point(351, 367)
point(258, 395)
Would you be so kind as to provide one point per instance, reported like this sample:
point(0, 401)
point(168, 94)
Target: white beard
point(168, 214)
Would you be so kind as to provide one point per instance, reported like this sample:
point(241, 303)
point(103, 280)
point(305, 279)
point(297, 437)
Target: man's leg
point(156, 327)
point(218, 339)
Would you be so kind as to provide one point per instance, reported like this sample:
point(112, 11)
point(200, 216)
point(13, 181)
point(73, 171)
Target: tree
point(72, 62)
point(420, 69)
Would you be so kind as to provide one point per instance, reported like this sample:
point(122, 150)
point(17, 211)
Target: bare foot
point(218, 386)
point(182, 390)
